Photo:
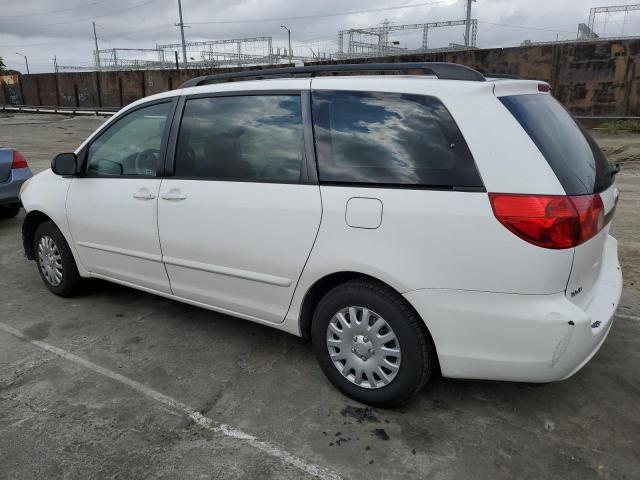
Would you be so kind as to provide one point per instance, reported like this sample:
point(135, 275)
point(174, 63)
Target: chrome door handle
point(144, 194)
point(173, 194)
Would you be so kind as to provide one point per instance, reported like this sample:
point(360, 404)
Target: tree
point(2, 65)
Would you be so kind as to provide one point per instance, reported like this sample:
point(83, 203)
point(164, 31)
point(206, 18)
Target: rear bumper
point(530, 338)
point(10, 188)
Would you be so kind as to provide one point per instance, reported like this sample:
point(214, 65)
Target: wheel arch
point(30, 224)
point(324, 284)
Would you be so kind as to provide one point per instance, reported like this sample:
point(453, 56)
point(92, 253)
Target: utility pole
point(55, 64)
point(289, 33)
point(26, 62)
point(181, 25)
point(95, 39)
point(467, 24)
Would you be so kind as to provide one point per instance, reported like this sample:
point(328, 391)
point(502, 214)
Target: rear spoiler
point(504, 87)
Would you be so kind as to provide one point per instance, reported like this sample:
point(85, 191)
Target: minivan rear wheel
point(56, 264)
point(371, 344)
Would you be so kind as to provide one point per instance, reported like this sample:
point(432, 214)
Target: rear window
point(573, 155)
point(389, 139)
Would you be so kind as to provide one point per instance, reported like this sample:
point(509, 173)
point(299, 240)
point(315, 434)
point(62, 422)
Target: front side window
point(389, 139)
point(131, 146)
point(256, 138)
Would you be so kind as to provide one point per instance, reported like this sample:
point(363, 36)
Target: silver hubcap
point(50, 260)
point(363, 347)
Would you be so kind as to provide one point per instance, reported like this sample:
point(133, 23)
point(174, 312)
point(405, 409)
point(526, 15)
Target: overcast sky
point(41, 29)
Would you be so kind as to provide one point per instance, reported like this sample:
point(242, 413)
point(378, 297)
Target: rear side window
point(573, 155)
point(389, 139)
point(254, 138)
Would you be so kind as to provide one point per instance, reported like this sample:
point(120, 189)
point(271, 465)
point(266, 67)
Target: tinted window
point(573, 155)
point(386, 138)
point(131, 146)
point(253, 138)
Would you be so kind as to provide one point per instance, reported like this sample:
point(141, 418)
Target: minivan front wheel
point(56, 264)
point(371, 344)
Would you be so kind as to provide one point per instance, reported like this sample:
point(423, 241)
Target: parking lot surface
point(117, 383)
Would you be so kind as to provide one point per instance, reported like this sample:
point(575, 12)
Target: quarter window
point(389, 139)
point(132, 145)
point(243, 138)
point(573, 155)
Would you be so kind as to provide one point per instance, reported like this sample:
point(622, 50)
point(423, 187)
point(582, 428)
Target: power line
point(94, 16)
point(522, 27)
point(57, 42)
point(319, 15)
point(58, 10)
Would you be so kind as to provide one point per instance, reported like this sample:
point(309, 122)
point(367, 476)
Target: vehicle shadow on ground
point(440, 392)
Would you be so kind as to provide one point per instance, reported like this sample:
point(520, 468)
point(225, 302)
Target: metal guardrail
point(64, 110)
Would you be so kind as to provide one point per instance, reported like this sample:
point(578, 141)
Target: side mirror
point(65, 164)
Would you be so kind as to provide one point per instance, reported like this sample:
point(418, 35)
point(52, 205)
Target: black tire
point(9, 211)
point(418, 351)
point(71, 280)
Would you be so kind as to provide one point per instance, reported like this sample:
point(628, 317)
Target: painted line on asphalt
point(627, 317)
point(176, 405)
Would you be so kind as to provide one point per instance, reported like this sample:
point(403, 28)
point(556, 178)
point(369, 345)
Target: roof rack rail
point(503, 75)
point(442, 70)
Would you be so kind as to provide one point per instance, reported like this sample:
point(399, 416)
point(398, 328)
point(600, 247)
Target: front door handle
point(144, 194)
point(173, 194)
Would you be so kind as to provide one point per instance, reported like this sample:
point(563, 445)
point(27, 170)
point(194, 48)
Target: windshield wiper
point(614, 169)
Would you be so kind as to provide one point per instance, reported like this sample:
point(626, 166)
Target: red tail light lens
point(18, 160)
point(550, 221)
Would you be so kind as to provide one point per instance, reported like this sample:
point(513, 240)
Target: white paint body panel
point(238, 246)
point(496, 306)
point(531, 338)
point(47, 193)
point(116, 235)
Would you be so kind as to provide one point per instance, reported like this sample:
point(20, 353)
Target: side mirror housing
point(65, 164)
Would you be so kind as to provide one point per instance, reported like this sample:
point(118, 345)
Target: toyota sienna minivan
point(404, 223)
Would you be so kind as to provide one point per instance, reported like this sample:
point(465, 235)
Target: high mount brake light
point(550, 221)
point(18, 161)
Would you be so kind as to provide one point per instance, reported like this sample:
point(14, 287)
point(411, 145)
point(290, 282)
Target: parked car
point(403, 223)
point(14, 171)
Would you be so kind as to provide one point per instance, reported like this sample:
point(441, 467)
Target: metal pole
point(95, 39)
point(175, 52)
point(289, 34)
point(181, 25)
point(467, 24)
point(26, 62)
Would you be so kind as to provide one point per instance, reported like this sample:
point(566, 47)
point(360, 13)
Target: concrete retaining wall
point(591, 79)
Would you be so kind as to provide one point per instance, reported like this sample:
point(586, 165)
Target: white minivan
point(404, 223)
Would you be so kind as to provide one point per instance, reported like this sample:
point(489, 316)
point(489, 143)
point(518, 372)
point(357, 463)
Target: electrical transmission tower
point(374, 41)
point(589, 32)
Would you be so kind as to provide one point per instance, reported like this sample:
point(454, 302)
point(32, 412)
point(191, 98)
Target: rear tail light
point(18, 161)
point(550, 221)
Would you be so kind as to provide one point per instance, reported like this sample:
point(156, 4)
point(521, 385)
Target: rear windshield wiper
point(614, 169)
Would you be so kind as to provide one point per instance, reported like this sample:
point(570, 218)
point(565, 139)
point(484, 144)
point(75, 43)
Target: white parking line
point(205, 422)
point(627, 317)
